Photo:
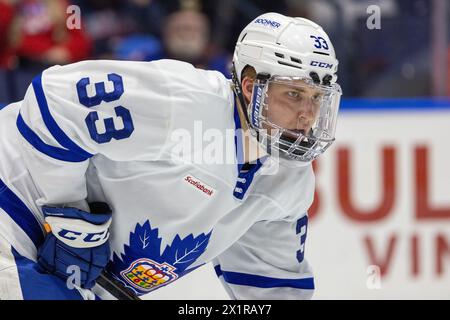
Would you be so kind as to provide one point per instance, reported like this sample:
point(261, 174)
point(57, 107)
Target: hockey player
point(106, 132)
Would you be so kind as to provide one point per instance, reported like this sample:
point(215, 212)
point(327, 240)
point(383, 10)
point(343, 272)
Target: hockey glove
point(75, 238)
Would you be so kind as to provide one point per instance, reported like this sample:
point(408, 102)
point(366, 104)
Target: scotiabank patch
point(199, 185)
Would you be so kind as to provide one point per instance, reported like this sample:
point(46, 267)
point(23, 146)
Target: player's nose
point(305, 116)
point(303, 123)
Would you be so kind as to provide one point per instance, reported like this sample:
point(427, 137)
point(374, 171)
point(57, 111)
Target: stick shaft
point(115, 288)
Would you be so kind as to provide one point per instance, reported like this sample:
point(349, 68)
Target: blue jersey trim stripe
point(245, 279)
point(241, 187)
point(36, 285)
point(218, 270)
point(21, 215)
point(51, 124)
point(41, 146)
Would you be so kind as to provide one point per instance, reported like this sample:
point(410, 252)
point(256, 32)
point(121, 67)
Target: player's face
point(293, 106)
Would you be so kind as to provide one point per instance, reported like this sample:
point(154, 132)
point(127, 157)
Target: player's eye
point(293, 94)
point(317, 97)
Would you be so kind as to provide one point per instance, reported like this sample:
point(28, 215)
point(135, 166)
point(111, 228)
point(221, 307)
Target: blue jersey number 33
point(301, 229)
point(102, 96)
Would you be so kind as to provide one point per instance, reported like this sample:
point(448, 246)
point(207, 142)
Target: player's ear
point(247, 88)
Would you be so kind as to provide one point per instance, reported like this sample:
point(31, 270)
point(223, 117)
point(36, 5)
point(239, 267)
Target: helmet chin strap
point(242, 111)
point(238, 91)
point(242, 105)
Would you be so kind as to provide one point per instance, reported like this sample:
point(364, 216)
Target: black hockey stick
point(105, 280)
point(115, 288)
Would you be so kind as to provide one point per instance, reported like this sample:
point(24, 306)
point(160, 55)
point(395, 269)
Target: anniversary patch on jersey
point(143, 268)
point(146, 274)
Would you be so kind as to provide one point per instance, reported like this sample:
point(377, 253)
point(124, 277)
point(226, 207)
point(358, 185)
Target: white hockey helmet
point(295, 52)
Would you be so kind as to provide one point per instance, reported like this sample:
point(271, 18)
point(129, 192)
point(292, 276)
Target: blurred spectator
point(232, 16)
point(148, 15)
point(7, 10)
point(392, 61)
point(139, 48)
point(40, 37)
point(106, 22)
point(320, 11)
point(186, 36)
point(448, 72)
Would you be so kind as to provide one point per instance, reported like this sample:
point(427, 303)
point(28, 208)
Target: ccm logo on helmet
point(321, 64)
point(267, 22)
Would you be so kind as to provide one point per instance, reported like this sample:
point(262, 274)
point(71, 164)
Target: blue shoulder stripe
point(41, 146)
point(51, 124)
point(21, 215)
point(245, 279)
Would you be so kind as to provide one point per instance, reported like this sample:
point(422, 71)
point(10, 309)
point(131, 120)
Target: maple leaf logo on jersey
point(143, 268)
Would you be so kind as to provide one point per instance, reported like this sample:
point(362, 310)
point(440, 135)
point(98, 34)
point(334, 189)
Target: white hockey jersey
point(107, 131)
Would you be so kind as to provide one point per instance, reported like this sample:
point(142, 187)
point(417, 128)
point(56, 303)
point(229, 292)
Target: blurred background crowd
point(407, 57)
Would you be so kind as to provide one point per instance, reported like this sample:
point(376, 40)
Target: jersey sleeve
point(75, 112)
point(267, 262)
